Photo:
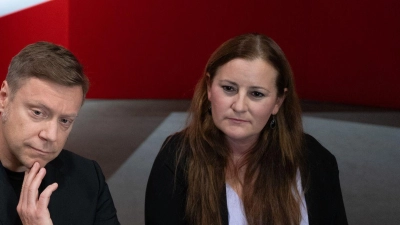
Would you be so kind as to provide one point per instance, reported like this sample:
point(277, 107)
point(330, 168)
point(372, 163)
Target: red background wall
point(340, 51)
point(45, 22)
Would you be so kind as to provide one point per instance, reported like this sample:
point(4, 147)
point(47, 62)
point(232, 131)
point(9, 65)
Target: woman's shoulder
point(172, 143)
point(169, 151)
point(317, 154)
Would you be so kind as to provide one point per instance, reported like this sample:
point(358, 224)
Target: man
point(40, 183)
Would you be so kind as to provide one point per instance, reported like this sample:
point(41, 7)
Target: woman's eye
point(228, 88)
point(257, 94)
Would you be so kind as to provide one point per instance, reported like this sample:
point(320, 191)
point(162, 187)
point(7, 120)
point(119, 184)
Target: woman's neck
point(236, 167)
point(239, 148)
point(235, 178)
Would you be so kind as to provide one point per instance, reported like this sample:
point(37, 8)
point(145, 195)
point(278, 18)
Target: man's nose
point(49, 131)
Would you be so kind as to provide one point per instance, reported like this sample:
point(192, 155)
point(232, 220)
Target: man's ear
point(4, 95)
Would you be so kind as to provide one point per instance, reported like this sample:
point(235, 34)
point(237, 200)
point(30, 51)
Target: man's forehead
point(35, 80)
point(51, 95)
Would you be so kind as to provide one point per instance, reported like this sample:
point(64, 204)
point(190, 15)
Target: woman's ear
point(208, 81)
point(279, 102)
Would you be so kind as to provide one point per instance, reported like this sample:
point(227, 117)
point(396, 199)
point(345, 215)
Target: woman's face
point(243, 96)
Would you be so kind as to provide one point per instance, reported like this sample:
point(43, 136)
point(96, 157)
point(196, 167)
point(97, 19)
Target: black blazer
point(165, 198)
point(82, 196)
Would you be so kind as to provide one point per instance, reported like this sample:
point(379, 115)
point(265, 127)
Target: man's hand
point(31, 209)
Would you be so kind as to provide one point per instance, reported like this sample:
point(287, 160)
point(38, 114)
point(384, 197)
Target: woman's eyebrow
point(258, 87)
point(230, 82)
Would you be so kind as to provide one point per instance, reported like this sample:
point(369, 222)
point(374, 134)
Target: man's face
point(36, 121)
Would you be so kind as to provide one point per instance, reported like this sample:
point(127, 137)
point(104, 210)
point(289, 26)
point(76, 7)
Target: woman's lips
point(238, 121)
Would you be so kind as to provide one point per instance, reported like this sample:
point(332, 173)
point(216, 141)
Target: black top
point(82, 196)
point(165, 196)
point(16, 179)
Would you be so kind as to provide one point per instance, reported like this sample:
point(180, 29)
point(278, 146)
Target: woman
point(243, 157)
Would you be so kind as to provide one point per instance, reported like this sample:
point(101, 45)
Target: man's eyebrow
point(38, 105)
point(70, 115)
point(46, 108)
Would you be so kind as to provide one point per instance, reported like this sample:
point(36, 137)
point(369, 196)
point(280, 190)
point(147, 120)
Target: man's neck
point(10, 162)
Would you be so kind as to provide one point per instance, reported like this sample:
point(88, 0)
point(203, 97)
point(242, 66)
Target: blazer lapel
point(224, 207)
point(56, 173)
point(317, 196)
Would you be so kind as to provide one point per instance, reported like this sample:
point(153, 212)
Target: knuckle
point(32, 189)
point(19, 208)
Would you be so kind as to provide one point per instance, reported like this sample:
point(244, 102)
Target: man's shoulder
point(69, 162)
point(67, 155)
point(82, 194)
point(71, 158)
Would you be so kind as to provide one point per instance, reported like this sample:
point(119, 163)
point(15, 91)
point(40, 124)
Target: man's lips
point(40, 151)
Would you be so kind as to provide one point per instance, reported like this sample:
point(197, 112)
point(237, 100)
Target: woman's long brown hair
point(270, 193)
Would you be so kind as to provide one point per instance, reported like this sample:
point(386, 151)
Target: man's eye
point(66, 121)
point(37, 112)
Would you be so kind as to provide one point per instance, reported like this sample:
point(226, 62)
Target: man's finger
point(44, 198)
point(31, 173)
point(33, 189)
point(29, 176)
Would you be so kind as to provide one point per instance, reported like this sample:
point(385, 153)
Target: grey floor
point(124, 136)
